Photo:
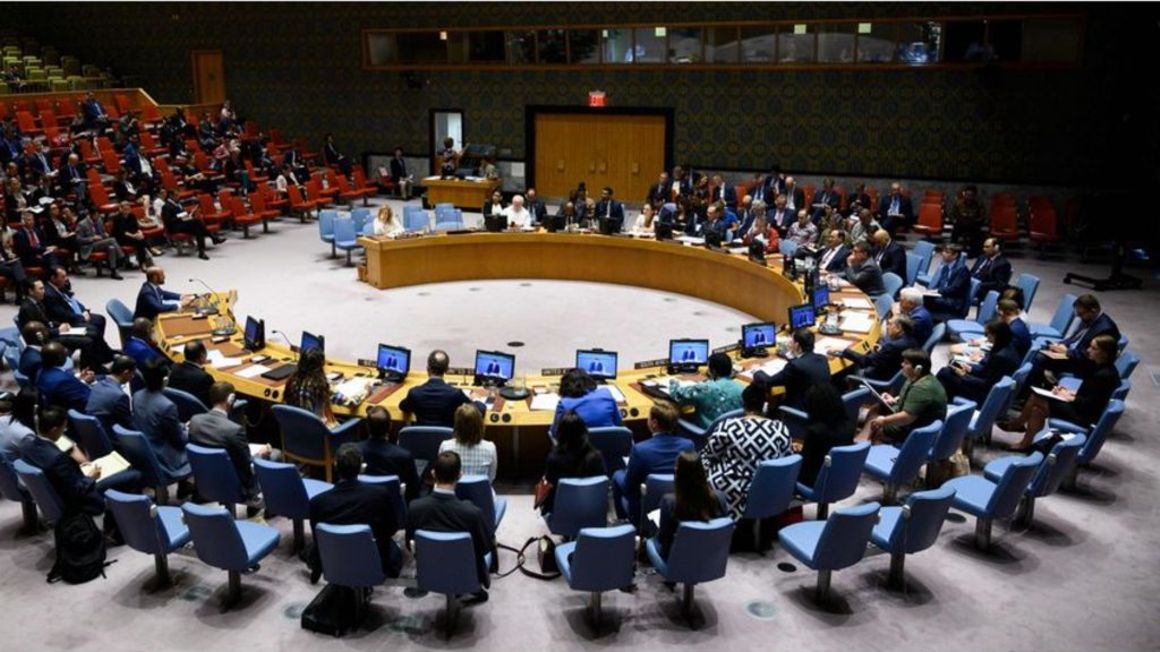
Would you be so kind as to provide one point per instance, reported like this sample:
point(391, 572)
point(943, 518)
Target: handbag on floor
point(332, 611)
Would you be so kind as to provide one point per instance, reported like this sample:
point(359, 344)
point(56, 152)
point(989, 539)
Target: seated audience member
point(109, 398)
point(35, 335)
point(434, 402)
point(1012, 315)
point(973, 381)
point(517, 216)
point(153, 300)
point(33, 309)
point(180, 221)
point(140, 346)
point(594, 404)
point(780, 215)
point(610, 209)
point(573, 456)
point(991, 268)
point(476, 454)
point(885, 359)
point(713, 396)
point(190, 376)
point(653, 455)
point(660, 192)
point(214, 429)
point(829, 426)
point(803, 232)
point(384, 455)
point(127, 232)
point(795, 198)
point(1070, 355)
point(332, 158)
point(745, 214)
point(536, 207)
point(403, 181)
point(862, 272)
point(156, 417)
point(1083, 406)
point(824, 197)
point(692, 500)
point(888, 254)
point(644, 221)
point(58, 386)
point(733, 451)
point(865, 227)
point(351, 502)
point(722, 192)
point(805, 368)
point(387, 224)
point(13, 434)
point(441, 511)
point(910, 304)
point(761, 231)
point(63, 307)
point(895, 210)
point(92, 237)
point(32, 246)
point(832, 258)
point(11, 269)
point(922, 402)
point(308, 387)
point(953, 285)
point(494, 206)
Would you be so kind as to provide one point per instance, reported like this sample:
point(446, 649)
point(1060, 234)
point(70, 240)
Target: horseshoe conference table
point(518, 430)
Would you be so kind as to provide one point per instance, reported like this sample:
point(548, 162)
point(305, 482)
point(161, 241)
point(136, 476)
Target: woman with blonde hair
point(386, 223)
point(476, 453)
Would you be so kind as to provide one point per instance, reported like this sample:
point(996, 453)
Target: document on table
point(218, 360)
point(857, 322)
point(545, 402)
point(254, 371)
point(857, 303)
point(772, 367)
point(827, 343)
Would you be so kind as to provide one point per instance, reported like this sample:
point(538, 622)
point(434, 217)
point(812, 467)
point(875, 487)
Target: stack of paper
point(109, 465)
point(545, 402)
point(254, 371)
point(218, 360)
point(827, 343)
point(857, 322)
point(857, 303)
point(772, 367)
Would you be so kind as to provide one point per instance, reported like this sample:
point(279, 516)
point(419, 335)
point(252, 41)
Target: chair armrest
point(1061, 424)
point(691, 428)
point(346, 429)
point(795, 419)
point(961, 400)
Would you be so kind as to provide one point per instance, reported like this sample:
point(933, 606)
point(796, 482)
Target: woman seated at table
point(495, 205)
point(476, 453)
point(579, 393)
point(387, 224)
point(884, 361)
point(644, 221)
point(974, 380)
point(733, 451)
point(761, 230)
point(922, 402)
point(711, 397)
point(574, 456)
point(308, 388)
point(830, 425)
point(692, 500)
point(1083, 406)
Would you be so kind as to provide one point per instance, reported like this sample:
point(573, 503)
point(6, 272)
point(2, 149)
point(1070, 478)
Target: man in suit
point(805, 369)
point(33, 310)
point(889, 255)
point(60, 387)
point(827, 196)
point(660, 192)
point(723, 192)
point(40, 165)
point(657, 454)
point(434, 402)
point(399, 175)
point(73, 177)
point(31, 244)
point(190, 375)
point(95, 115)
point(610, 209)
point(895, 211)
point(865, 227)
point(681, 183)
point(156, 417)
point(536, 207)
point(885, 359)
point(910, 304)
point(153, 300)
point(992, 268)
point(35, 334)
point(833, 258)
point(127, 232)
point(177, 220)
point(62, 306)
point(774, 182)
point(384, 456)
point(140, 344)
point(795, 198)
point(862, 272)
point(442, 511)
point(214, 429)
point(857, 200)
point(746, 214)
point(781, 216)
point(109, 396)
point(953, 284)
point(1069, 354)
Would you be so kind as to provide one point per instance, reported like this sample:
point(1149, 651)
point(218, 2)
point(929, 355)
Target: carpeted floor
point(1081, 578)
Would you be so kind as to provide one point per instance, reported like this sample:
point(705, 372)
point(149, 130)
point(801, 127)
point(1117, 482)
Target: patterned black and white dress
point(734, 450)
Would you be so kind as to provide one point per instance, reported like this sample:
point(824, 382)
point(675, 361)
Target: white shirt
point(392, 228)
point(639, 226)
point(479, 459)
point(519, 217)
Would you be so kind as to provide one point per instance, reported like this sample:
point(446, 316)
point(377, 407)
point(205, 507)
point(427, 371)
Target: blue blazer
point(77, 492)
point(1076, 346)
point(597, 408)
point(157, 418)
point(110, 405)
point(59, 387)
point(923, 324)
point(657, 454)
point(151, 301)
point(1020, 336)
point(141, 351)
point(954, 288)
point(30, 363)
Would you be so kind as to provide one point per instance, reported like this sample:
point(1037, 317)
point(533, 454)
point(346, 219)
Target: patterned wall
point(297, 66)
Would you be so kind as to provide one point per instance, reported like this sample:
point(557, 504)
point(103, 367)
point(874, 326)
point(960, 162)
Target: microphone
point(212, 302)
point(288, 342)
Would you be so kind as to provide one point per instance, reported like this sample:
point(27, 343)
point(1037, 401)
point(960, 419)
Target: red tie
point(32, 240)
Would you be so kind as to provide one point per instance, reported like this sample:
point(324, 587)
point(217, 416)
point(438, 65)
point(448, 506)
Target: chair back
point(1064, 314)
point(91, 435)
point(970, 298)
point(215, 475)
point(394, 487)
point(1056, 467)
point(1126, 363)
point(656, 485)
point(913, 261)
point(921, 520)
point(603, 559)
point(188, 405)
point(139, 452)
point(912, 454)
point(933, 275)
point(326, 223)
point(415, 218)
point(614, 444)
point(1029, 284)
point(987, 308)
point(892, 282)
point(361, 217)
point(924, 249)
point(344, 230)
point(700, 551)
point(140, 524)
point(997, 398)
point(121, 316)
point(424, 441)
point(1009, 490)
point(936, 335)
point(883, 304)
point(215, 535)
point(304, 435)
point(1121, 393)
point(787, 247)
point(349, 555)
point(42, 492)
point(9, 482)
point(282, 488)
point(477, 489)
point(954, 429)
point(854, 400)
point(580, 503)
point(772, 487)
point(844, 538)
point(840, 471)
point(445, 562)
point(1100, 432)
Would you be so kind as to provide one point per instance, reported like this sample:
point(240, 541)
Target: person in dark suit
point(127, 232)
point(31, 244)
point(795, 198)
point(657, 454)
point(190, 375)
point(1070, 355)
point(153, 300)
point(889, 255)
point(992, 268)
point(35, 335)
point(62, 306)
point(434, 402)
point(441, 511)
point(829, 426)
point(140, 345)
point(692, 500)
point(1010, 312)
point(660, 192)
point(384, 456)
point(857, 200)
point(781, 216)
point(895, 210)
point(573, 456)
point(95, 115)
point(214, 429)
point(177, 220)
point(536, 206)
point(953, 284)
point(862, 272)
point(610, 209)
point(974, 381)
point(833, 258)
point(884, 361)
point(60, 387)
point(723, 192)
point(910, 304)
point(399, 175)
point(33, 310)
point(827, 196)
point(73, 177)
point(156, 417)
point(331, 157)
point(351, 502)
point(804, 369)
point(108, 399)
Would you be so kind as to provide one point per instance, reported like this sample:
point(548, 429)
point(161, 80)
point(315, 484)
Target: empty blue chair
point(448, 219)
point(140, 454)
point(1060, 321)
point(911, 528)
point(614, 444)
point(853, 400)
point(1052, 473)
point(983, 420)
point(701, 435)
point(423, 442)
point(1121, 393)
point(11, 489)
point(962, 328)
point(122, 316)
point(346, 236)
point(149, 529)
point(1096, 435)
point(954, 430)
point(233, 546)
point(1123, 343)
point(445, 563)
point(287, 494)
point(1029, 284)
point(987, 500)
point(361, 217)
point(188, 405)
point(770, 491)
point(600, 559)
point(936, 335)
point(326, 219)
point(832, 544)
point(926, 278)
point(91, 435)
point(215, 476)
point(415, 219)
point(307, 440)
point(1020, 377)
point(699, 554)
point(883, 304)
point(477, 489)
point(913, 265)
point(892, 282)
point(924, 249)
point(1126, 363)
point(896, 466)
point(395, 488)
point(444, 206)
point(49, 502)
point(838, 477)
point(580, 503)
point(350, 560)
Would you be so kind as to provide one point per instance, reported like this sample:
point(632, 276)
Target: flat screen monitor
point(255, 334)
point(393, 361)
point(688, 352)
point(821, 296)
point(759, 335)
point(310, 340)
point(598, 364)
point(802, 315)
point(495, 365)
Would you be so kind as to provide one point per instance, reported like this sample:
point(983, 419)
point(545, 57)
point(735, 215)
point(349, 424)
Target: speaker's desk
point(462, 193)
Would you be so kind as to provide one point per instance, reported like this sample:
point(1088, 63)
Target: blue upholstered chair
point(896, 466)
point(838, 477)
point(140, 454)
point(149, 529)
point(287, 494)
point(346, 237)
point(832, 544)
point(928, 277)
point(215, 475)
point(1029, 284)
point(395, 487)
point(350, 561)
point(1096, 435)
point(614, 444)
point(580, 503)
point(964, 328)
point(699, 554)
point(415, 219)
point(913, 266)
point(423, 442)
point(924, 249)
point(188, 405)
point(233, 546)
point(1060, 320)
point(307, 440)
point(326, 219)
point(600, 559)
point(361, 217)
point(770, 491)
point(954, 430)
point(883, 304)
point(37, 484)
point(122, 316)
point(1055, 469)
point(983, 419)
point(700, 436)
point(892, 282)
point(936, 335)
point(445, 563)
point(987, 500)
point(11, 489)
point(91, 435)
point(654, 487)
point(1126, 363)
point(797, 420)
point(911, 528)
point(892, 384)
point(477, 489)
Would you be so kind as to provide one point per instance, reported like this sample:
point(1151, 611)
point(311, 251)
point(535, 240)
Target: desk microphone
point(211, 301)
point(288, 342)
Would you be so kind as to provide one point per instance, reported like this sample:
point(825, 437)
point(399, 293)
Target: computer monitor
point(493, 365)
point(802, 315)
point(310, 340)
point(255, 335)
point(821, 296)
point(758, 335)
point(598, 364)
point(688, 353)
point(393, 362)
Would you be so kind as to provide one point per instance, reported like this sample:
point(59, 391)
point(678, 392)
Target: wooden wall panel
point(622, 151)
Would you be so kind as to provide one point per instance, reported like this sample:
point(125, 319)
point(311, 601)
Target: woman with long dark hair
point(692, 500)
point(574, 456)
point(308, 388)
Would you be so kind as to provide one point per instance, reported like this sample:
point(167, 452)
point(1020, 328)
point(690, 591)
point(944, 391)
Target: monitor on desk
point(821, 297)
point(599, 364)
point(802, 316)
point(394, 362)
point(255, 335)
point(688, 353)
point(759, 335)
point(312, 341)
point(493, 365)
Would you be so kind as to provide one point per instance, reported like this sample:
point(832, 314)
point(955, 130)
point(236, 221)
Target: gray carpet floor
point(1082, 577)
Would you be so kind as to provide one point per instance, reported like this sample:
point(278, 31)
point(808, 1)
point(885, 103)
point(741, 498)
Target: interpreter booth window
point(876, 42)
point(966, 41)
point(650, 45)
point(476, 47)
point(759, 44)
point(381, 49)
point(920, 43)
point(836, 42)
point(1005, 38)
point(521, 47)
point(422, 47)
point(1052, 40)
point(685, 45)
point(617, 45)
point(553, 46)
point(722, 45)
point(795, 44)
point(584, 45)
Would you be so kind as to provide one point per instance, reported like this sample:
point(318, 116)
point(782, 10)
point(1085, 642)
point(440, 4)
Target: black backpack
point(80, 550)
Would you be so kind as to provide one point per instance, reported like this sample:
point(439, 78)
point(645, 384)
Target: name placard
point(460, 371)
point(646, 364)
point(554, 371)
